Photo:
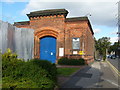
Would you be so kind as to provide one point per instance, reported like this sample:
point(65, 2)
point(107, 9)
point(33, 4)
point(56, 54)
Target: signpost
point(81, 52)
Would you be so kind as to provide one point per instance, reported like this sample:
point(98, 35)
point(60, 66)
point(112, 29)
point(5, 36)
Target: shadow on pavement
point(85, 78)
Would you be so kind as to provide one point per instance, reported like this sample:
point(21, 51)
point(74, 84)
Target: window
point(75, 43)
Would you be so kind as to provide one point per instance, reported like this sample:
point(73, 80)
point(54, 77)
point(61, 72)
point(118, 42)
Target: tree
point(114, 48)
point(102, 45)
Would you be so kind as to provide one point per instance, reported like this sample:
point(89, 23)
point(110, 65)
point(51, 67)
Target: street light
point(118, 28)
point(88, 14)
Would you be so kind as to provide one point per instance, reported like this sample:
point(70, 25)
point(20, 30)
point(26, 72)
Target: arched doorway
point(48, 48)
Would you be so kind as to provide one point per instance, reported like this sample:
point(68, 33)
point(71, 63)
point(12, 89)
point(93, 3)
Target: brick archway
point(39, 34)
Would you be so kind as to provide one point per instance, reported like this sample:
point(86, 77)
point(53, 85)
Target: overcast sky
point(103, 12)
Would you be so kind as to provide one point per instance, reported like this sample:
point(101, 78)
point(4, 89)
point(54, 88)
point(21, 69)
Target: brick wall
point(48, 26)
point(79, 29)
point(89, 45)
point(63, 31)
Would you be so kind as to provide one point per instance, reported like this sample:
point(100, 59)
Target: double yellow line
point(118, 73)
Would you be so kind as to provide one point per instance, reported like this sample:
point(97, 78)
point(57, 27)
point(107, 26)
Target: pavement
point(97, 75)
point(62, 79)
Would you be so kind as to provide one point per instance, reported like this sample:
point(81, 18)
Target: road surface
point(115, 63)
point(97, 75)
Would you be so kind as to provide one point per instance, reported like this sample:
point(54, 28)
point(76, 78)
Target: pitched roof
point(76, 19)
point(48, 12)
point(22, 23)
point(80, 19)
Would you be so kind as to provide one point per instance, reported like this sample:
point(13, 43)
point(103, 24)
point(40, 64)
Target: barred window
point(75, 43)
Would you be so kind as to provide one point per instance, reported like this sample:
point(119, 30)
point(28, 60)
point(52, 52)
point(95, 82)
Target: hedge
point(66, 61)
point(31, 74)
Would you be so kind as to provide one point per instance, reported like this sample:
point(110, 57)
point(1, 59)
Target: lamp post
point(118, 29)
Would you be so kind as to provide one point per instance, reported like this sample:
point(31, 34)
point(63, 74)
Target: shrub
point(104, 57)
point(48, 66)
point(30, 74)
point(37, 74)
point(9, 82)
point(82, 61)
point(66, 61)
point(9, 63)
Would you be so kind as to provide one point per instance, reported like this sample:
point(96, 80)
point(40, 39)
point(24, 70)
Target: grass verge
point(66, 71)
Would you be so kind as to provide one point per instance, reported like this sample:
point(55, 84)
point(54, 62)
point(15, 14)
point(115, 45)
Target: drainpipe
point(83, 45)
point(64, 37)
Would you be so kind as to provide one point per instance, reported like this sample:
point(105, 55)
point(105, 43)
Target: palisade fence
point(19, 40)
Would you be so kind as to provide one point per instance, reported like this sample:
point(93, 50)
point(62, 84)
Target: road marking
point(113, 68)
point(111, 82)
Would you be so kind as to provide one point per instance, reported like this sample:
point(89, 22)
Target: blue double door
point(48, 49)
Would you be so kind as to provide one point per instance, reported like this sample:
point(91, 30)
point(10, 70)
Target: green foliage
point(30, 74)
point(114, 48)
point(66, 61)
point(9, 63)
point(9, 82)
point(104, 57)
point(48, 66)
point(0, 52)
point(102, 44)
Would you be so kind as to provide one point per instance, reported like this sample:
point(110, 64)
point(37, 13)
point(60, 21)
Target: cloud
point(103, 13)
point(74, 0)
point(113, 39)
point(8, 1)
point(114, 32)
point(13, 1)
point(96, 31)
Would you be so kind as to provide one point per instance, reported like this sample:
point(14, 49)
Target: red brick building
point(73, 37)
